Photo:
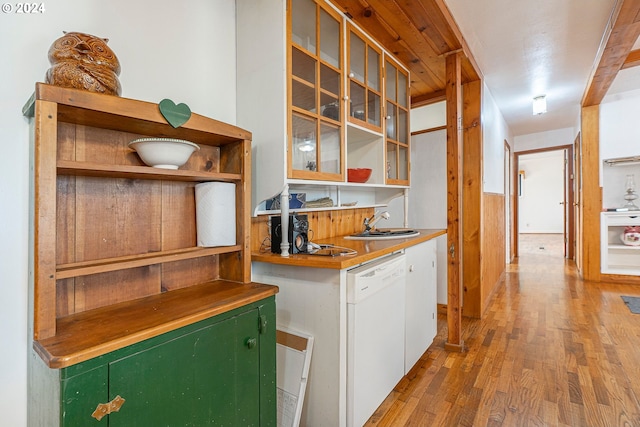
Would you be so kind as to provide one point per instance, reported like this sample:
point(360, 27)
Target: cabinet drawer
point(627, 219)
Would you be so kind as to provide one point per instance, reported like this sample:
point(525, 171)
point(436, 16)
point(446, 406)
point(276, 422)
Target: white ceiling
point(542, 47)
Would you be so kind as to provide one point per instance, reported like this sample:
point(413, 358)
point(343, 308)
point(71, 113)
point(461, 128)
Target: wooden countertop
point(92, 333)
point(367, 250)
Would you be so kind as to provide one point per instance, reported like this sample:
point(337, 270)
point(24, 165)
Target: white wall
point(552, 138)
point(429, 116)
point(619, 130)
point(494, 132)
point(540, 210)
point(185, 52)
point(619, 137)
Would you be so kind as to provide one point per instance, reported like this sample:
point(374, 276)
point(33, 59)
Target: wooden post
point(471, 183)
point(454, 205)
point(591, 199)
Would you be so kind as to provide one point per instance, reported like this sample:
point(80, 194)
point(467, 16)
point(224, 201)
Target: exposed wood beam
point(620, 35)
point(454, 201)
point(444, 10)
point(427, 99)
point(633, 59)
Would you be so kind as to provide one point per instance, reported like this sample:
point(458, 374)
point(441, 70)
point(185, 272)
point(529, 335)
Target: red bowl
point(358, 174)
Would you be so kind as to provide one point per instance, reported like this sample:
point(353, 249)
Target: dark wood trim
point(569, 190)
point(419, 132)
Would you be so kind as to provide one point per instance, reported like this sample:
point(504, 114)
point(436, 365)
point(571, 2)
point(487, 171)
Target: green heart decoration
point(175, 115)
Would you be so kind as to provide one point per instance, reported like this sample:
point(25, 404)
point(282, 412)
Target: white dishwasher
point(375, 334)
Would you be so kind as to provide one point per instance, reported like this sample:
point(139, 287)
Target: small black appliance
point(298, 234)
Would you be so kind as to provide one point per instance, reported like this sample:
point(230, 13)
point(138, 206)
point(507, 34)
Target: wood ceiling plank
point(428, 20)
point(426, 68)
point(419, 34)
point(622, 32)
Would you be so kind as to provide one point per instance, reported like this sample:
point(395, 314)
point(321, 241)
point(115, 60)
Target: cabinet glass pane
point(403, 132)
point(303, 66)
point(403, 172)
point(391, 82)
point(303, 24)
point(392, 160)
point(356, 55)
point(402, 90)
point(303, 96)
point(391, 121)
point(329, 149)
point(373, 69)
point(329, 39)
point(330, 106)
point(373, 113)
point(304, 142)
point(357, 96)
point(329, 79)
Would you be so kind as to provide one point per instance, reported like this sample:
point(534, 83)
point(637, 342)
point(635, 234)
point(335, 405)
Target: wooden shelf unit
point(109, 230)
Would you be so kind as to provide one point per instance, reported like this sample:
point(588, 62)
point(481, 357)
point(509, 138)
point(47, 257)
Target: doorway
point(544, 216)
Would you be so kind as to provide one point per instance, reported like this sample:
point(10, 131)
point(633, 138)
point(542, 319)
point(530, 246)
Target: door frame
point(569, 198)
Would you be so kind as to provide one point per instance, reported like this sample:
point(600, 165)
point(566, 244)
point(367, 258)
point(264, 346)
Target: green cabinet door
point(81, 395)
point(217, 372)
point(209, 377)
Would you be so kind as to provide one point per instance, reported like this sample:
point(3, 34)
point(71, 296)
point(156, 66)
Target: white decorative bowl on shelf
point(164, 153)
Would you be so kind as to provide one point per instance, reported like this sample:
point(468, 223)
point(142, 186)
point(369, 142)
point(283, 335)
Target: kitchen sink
point(379, 234)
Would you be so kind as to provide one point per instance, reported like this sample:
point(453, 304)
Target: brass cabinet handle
point(107, 408)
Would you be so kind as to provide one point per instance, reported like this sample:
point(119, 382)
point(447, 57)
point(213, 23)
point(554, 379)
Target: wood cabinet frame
point(80, 140)
point(317, 114)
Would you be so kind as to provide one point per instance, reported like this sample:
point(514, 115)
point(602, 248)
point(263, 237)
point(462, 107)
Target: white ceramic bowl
point(164, 153)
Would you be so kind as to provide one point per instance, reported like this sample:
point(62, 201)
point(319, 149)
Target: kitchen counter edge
point(367, 251)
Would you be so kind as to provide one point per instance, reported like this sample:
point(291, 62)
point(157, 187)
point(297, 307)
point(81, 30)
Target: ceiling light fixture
point(307, 144)
point(539, 105)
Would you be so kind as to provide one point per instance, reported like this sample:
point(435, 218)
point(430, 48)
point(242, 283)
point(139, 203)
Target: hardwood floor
point(552, 350)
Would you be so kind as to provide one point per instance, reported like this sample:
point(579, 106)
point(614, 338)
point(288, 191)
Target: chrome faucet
point(370, 222)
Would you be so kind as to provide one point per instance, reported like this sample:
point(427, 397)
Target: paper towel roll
point(216, 214)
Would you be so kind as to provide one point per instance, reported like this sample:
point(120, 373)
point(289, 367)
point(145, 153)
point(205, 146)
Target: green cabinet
point(217, 372)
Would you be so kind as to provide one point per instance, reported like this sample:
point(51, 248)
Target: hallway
point(551, 351)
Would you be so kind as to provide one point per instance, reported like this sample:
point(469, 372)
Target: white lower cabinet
point(421, 301)
point(315, 301)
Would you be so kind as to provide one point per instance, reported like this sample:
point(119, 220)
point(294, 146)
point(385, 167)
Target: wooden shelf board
point(93, 333)
point(623, 269)
point(624, 247)
point(65, 271)
point(333, 208)
point(129, 115)
point(67, 167)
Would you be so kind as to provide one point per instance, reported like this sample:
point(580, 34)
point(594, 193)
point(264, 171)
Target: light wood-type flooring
point(552, 350)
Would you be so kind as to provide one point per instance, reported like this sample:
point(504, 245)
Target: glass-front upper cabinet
point(316, 119)
point(365, 81)
point(396, 122)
